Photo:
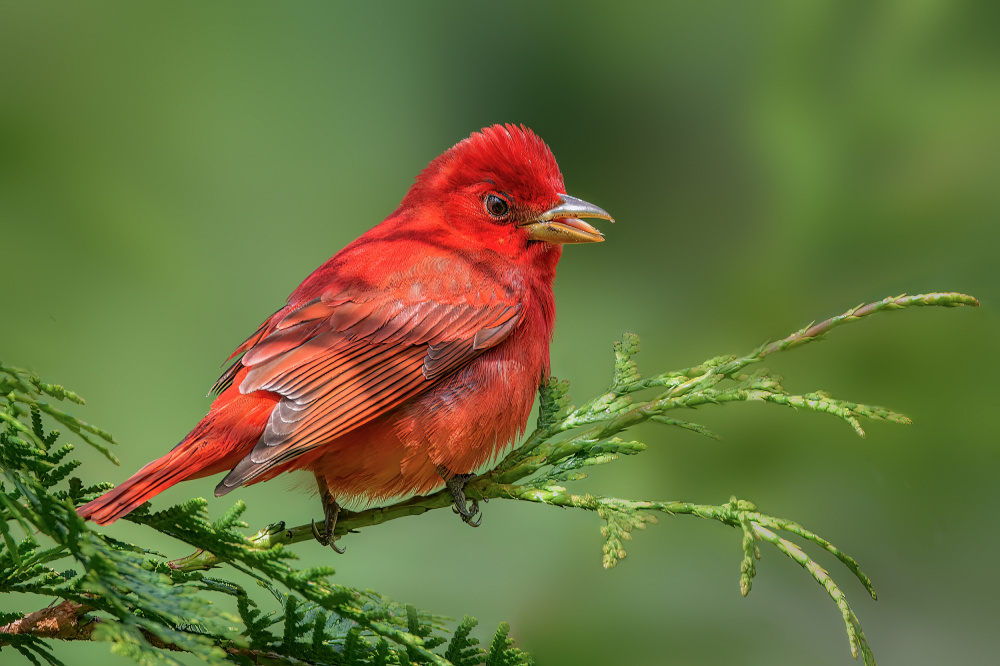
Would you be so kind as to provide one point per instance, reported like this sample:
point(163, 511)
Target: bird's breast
point(471, 419)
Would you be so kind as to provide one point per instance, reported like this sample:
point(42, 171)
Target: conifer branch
point(545, 460)
point(614, 412)
point(148, 608)
point(70, 621)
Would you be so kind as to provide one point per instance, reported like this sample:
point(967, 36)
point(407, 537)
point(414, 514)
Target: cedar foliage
point(129, 596)
point(149, 609)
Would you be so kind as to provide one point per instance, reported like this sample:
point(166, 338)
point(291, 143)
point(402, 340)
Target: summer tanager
point(409, 360)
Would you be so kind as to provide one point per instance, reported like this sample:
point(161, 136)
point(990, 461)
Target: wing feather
point(340, 361)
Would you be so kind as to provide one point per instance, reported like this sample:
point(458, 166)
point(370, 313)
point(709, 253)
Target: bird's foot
point(456, 484)
point(330, 512)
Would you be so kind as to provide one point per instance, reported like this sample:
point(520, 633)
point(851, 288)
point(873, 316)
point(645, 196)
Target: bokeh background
point(169, 172)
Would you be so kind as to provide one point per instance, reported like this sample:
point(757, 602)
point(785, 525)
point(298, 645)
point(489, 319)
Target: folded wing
point(339, 362)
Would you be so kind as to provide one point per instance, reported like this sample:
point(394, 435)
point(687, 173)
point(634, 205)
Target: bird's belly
point(464, 425)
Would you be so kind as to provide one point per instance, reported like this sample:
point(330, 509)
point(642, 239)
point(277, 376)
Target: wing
point(339, 362)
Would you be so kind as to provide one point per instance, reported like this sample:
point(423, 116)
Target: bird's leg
point(456, 484)
point(330, 512)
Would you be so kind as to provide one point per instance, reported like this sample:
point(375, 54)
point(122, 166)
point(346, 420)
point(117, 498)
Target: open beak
point(562, 223)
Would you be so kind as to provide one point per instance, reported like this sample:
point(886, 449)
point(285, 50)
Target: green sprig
point(568, 438)
point(149, 608)
point(126, 595)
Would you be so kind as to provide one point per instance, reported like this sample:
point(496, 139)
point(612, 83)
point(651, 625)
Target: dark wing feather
point(340, 363)
point(229, 375)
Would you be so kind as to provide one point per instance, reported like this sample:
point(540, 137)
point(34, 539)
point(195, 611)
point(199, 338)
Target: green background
point(169, 173)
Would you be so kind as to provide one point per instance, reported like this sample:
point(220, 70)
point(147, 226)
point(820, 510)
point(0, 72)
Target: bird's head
point(502, 188)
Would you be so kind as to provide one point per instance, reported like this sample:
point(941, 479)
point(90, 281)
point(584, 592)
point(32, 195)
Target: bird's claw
point(326, 538)
point(323, 539)
point(456, 484)
point(468, 520)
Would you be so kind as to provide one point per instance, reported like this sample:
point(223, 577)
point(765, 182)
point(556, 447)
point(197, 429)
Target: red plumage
point(411, 356)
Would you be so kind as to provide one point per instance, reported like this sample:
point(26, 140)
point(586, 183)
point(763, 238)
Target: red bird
point(409, 360)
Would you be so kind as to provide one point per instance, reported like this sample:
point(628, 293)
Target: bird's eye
point(496, 206)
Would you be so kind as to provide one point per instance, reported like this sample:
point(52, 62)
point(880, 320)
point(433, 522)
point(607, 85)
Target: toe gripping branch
point(330, 512)
point(467, 508)
point(456, 484)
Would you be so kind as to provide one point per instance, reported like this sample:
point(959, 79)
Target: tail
point(224, 436)
point(148, 482)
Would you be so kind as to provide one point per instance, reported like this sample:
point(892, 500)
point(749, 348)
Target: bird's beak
point(562, 223)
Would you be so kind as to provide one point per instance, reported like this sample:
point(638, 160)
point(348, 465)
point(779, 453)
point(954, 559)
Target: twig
point(69, 621)
point(613, 413)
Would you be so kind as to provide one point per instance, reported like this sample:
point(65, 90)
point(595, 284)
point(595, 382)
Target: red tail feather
point(231, 428)
point(151, 480)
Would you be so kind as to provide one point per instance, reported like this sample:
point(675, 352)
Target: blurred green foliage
point(168, 173)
